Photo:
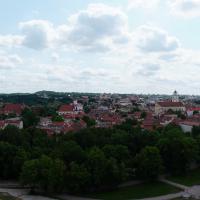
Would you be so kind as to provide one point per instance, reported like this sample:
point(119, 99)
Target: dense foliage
point(94, 159)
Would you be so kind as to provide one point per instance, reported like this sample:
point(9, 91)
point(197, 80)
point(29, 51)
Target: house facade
point(164, 106)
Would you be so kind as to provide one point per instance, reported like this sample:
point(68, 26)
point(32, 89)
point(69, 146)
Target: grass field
point(138, 191)
point(6, 196)
point(183, 199)
point(192, 178)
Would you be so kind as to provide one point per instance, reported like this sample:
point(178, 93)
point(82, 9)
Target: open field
point(137, 191)
point(192, 178)
point(184, 199)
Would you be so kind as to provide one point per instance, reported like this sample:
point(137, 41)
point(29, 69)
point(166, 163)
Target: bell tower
point(175, 97)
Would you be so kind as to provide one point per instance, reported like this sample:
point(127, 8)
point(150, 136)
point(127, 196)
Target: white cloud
point(55, 57)
point(10, 40)
point(9, 61)
point(98, 28)
point(38, 34)
point(95, 29)
point(185, 8)
point(152, 39)
point(148, 69)
point(147, 4)
point(146, 59)
point(171, 56)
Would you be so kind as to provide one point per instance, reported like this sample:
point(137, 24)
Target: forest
point(95, 159)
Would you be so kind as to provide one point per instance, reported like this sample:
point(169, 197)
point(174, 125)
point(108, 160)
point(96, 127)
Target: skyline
point(129, 46)
point(96, 93)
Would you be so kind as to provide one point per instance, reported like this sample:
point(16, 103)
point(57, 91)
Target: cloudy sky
point(123, 46)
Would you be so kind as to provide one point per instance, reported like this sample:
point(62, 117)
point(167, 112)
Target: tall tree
point(149, 163)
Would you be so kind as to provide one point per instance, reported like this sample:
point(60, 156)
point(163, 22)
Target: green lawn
point(183, 199)
point(192, 178)
point(6, 196)
point(138, 191)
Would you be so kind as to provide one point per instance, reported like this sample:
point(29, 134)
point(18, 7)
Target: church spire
point(175, 97)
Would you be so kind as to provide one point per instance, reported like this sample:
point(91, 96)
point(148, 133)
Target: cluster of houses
point(108, 110)
point(169, 111)
point(13, 113)
point(71, 114)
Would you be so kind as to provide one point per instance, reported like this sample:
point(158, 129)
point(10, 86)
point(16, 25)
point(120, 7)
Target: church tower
point(175, 97)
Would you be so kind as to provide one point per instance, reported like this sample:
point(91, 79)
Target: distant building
point(190, 111)
point(13, 109)
point(66, 109)
point(175, 97)
point(125, 102)
point(15, 122)
point(77, 106)
point(164, 106)
point(12, 122)
point(187, 125)
point(174, 104)
point(45, 121)
point(2, 124)
point(73, 108)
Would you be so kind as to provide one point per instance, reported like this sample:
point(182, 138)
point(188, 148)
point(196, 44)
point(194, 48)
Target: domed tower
point(175, 97)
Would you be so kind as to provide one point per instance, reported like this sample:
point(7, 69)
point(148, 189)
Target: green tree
point(90, 122)
point(57, 118)
point(143, 115)
point(177, 151)
point(70, 151)
point(7, 155)
point(115, 173)
point(195, 131)
point(149, 163)
point(86, 109)
point(78, 178)
point(29, 118)
point(19, 160)
point(44, 173)
point(56, 176)
point(29, 175)
point(96, 164)
point(119, 152)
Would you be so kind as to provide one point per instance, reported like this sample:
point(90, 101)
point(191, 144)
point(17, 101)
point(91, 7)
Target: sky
point(112, 46)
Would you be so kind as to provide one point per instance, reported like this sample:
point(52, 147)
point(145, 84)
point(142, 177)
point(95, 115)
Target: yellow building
point(163, 106)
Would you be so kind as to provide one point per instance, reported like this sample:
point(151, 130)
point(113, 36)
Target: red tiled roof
point(190, 123)
point(149, 115)
point(170, 104)
point(137, 114)
point(69, 116)
point(12, 121)
point(66, 108)
point(148, 122)
point(13, 108)
point(68, 128)
point(58, 123)
point(196, 117)
point(193, 109)
point(76, 126)
point(73, 116)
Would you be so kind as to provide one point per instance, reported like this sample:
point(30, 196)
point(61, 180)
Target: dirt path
point(23, 194)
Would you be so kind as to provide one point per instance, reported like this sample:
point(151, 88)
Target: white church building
point(174, 104)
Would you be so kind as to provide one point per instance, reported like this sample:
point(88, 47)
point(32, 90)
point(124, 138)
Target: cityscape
point(101, 110)
point(148, 145)
point(100, 100)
